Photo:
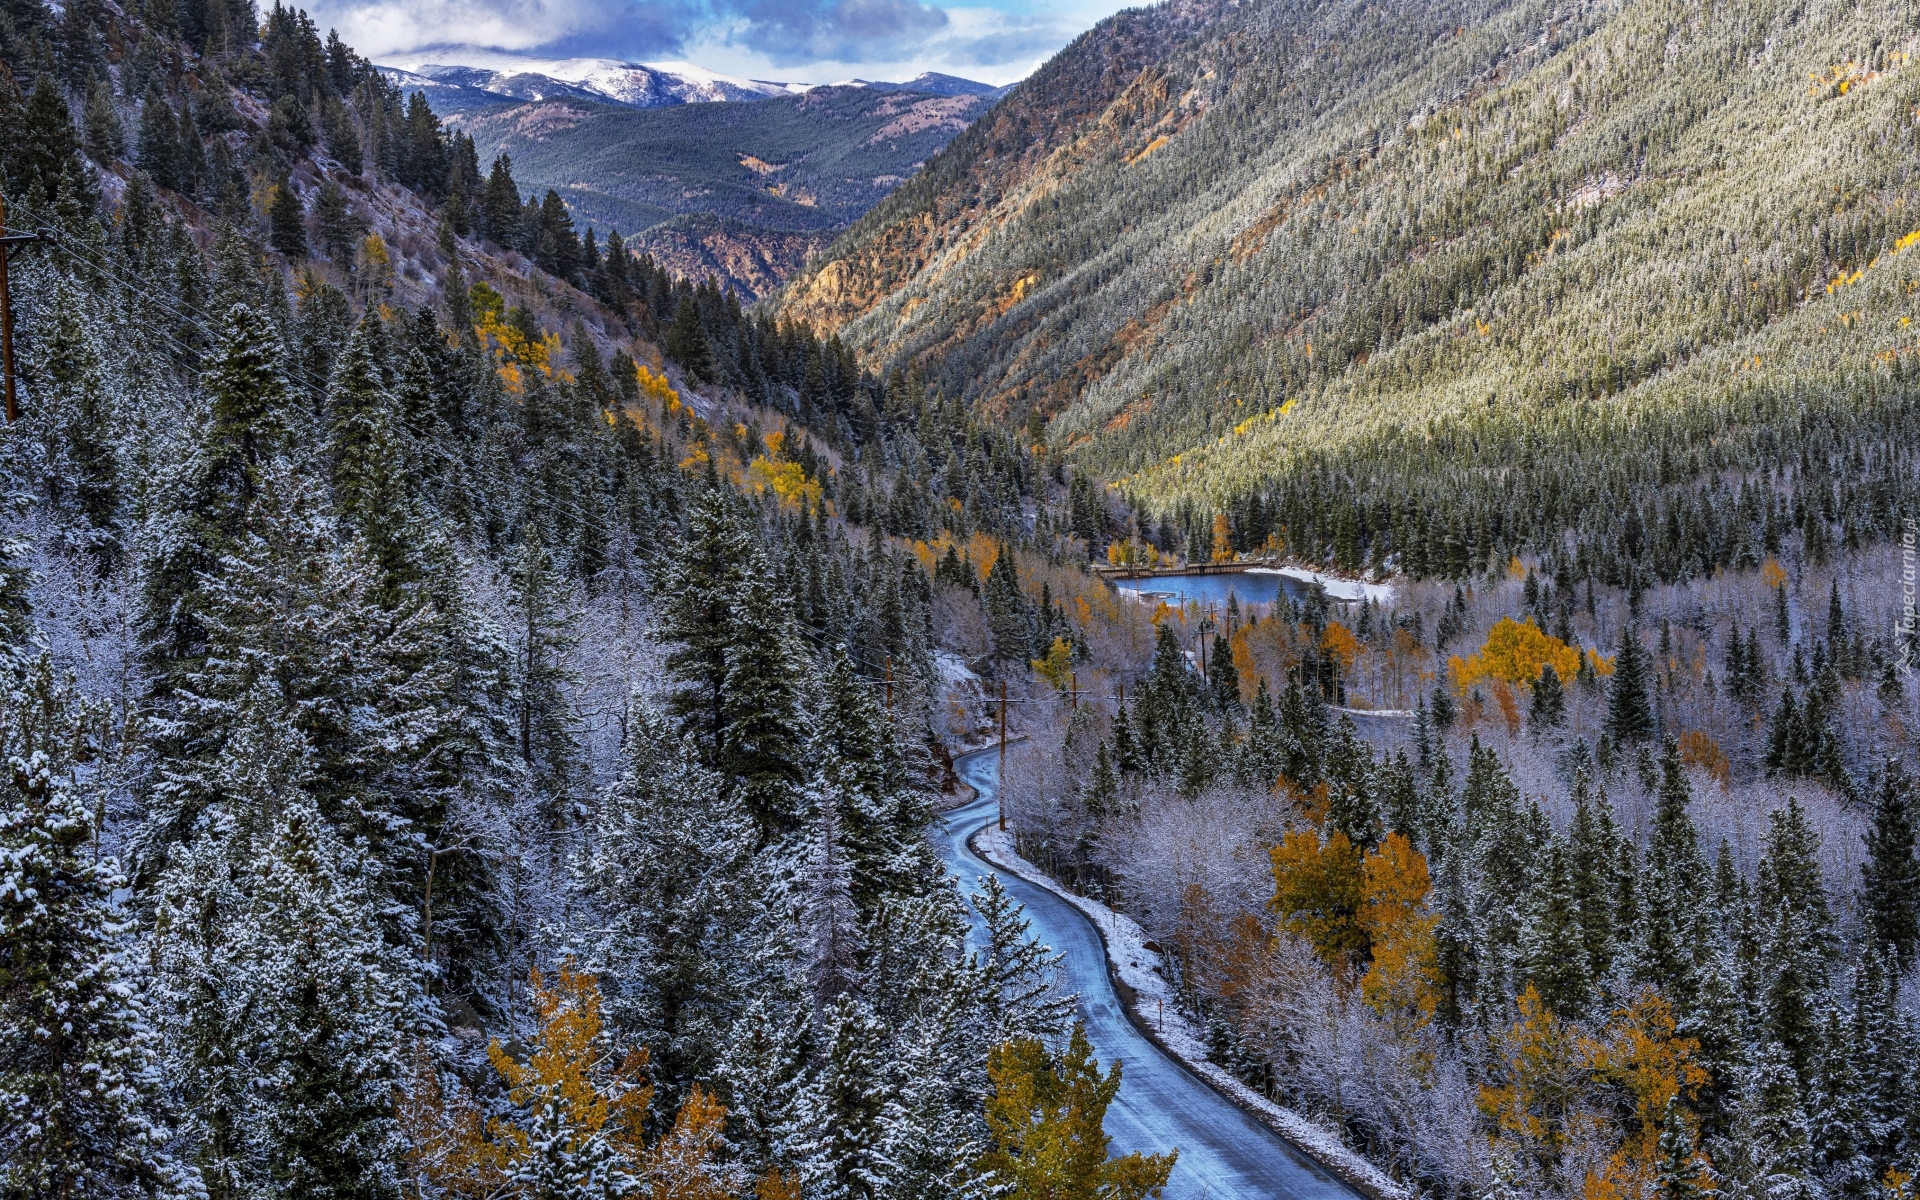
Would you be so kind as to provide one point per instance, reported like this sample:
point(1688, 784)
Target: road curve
point(1224, 1153)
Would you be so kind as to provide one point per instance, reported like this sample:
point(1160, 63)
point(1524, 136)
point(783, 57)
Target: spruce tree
point(1549, 700)
point(213, 500)
point(1018, 993)
point(327, 997)
point(1678, 1173)
point(763, 739)
point(1890, 882)
point(76, 1077)
point(1553, 950)
point(542, 637)
point(287, 220)
point(686, 341)
point(159, 140)
point(696, 615)
point(842, 1158)
point(832, 939)
point(764, 1074)
point(1676, 873)
point(1629, 714)
point(1775, 1124)
point(369, 462)
point(671, 870)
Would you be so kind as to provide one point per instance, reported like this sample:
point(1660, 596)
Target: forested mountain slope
point(377, 600)
point(792, 165)
point(1348, 256)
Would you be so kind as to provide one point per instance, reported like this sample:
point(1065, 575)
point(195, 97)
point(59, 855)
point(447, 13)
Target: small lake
point(1262, 589)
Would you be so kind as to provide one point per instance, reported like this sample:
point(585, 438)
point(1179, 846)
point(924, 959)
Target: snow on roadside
point(1337, 589)
point(1139, 968)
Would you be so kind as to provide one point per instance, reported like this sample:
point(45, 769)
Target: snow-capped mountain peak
point(457, 86)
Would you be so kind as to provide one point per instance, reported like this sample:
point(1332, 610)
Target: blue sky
point(812, 41)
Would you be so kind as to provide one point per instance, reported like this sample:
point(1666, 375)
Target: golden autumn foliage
point(1641, 1054)
point(1403, 982)
point(784, 479)
point(1536, 1079)
point(1132, 552)
point(1515, 652)
point(1317, 889)
point(1046, 1118)
point(1339, 644)
point(1222, 550)
point(512, 337)
point(1698, 749)
point(1056, 666)
point(655, 389)
point(578, 1078)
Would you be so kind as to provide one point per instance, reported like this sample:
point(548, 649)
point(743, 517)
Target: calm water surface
point(1214, 589)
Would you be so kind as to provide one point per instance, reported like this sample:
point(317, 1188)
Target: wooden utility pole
point(889, 686)
point(1000, 784)
point(7, 245)
point(1073, 695)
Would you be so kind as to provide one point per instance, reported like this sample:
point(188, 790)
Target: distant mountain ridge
point(744, 192)
point(455, 89)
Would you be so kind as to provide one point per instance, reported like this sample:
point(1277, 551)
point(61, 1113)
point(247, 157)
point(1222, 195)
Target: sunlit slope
point(1408, 217)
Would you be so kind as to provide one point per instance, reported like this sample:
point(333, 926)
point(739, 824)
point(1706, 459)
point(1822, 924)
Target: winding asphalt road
point(1224, 1153)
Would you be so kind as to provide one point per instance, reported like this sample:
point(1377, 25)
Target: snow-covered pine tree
point(328, 997)
point(78, 1109)
point(763, 736)
point(1020, 994)
point(1629, 712)
point(1553, 951)
point(842, 1155)
point(764, 1072)
point(672, 872)
point(1890, 884)
point(245, 427)
point(831, 938)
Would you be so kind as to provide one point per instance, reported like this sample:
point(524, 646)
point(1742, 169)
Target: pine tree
point(105, 140)
point(765, 1076)
point(1553, 950)
point(214, 498)
point(832, 939)
point(686, 341)
point(1629, 714)
point(1890, 882)
point(842, 1159)
point(76, 1078)
point(1549, 701)
point(1008, 611)
point(1675, 875)
point(762, 740)
point(1840, 1117)
point(1019, 996)
point(159, 140)
point(327, 997)
point(287, 220)
point(1679, 1175)
point(1774, 1122)
point(1591, 854)
point(1799, 938)
point(671, 870)
point(542, 638)
point(369, 462)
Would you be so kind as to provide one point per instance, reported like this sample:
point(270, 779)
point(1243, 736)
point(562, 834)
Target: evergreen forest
point(478, 705)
